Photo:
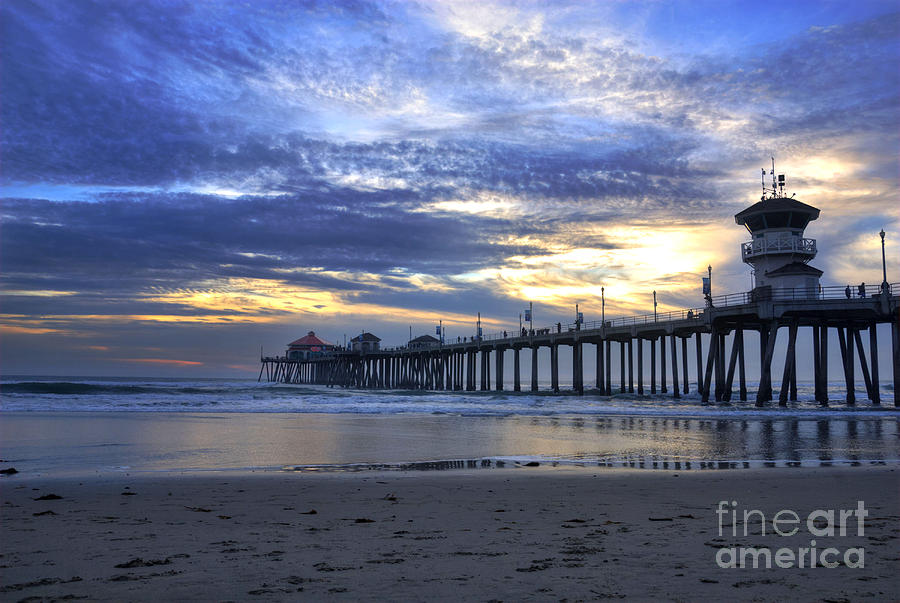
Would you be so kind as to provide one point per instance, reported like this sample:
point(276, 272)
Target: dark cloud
point(127, 242)
point(140, 96)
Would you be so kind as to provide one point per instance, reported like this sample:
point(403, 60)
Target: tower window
point(778, 219)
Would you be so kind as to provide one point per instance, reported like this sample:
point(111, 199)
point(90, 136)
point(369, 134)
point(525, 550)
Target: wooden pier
point(665, 340)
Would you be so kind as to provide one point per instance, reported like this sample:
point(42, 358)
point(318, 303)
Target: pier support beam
point(534, 368)
point(846, 344)
point(601, 383)
point(823, 347)
point(652, 365)
point(577, 368)
point(630, 366)
point(742, 373)
point(554, 367)
point(817, 364)
point(698, 345)
point(499, 371)
point(895, 357)
point(764, 394)
point(732, 364)
point(517, 379)
point(622, 367)
point(640, 370)
point(720, 367)
point(608, 369)
point(662, 365)
point(710, 363)
point(684, 365)
point(790, 365)
point(675, 393)
point(862, 363)
point(873, 357)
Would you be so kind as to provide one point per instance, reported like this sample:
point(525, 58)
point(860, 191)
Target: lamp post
point(654, 307)
point(883, 263)
point(531, 317)
point(603, 307)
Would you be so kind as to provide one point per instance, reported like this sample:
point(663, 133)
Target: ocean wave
point(66, 388)
point(81, 388)
point(236, 396)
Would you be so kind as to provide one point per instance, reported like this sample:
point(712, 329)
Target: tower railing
point(782, 244)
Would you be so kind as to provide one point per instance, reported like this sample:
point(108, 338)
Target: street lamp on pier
point(884, 283)
point(603, 307)
point(654, 307)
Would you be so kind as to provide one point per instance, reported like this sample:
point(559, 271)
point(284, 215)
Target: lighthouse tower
point(777, 251)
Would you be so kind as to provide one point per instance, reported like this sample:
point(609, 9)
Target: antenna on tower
point(763, 198)
point(772, 173)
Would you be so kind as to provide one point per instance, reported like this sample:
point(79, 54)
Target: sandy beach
point(497, 534)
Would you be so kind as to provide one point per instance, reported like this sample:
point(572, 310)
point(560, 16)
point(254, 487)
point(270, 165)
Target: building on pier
point(777, 251)
point(307, 347)
point(365, 342)
point(423, 341)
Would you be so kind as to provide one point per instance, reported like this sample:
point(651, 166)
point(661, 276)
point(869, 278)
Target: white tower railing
point(774, 245)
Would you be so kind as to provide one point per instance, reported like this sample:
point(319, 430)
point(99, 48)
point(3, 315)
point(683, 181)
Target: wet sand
point(507, 534)
point(87, 443)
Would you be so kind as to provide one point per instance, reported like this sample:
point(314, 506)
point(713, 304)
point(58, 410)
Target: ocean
point(68, 426)
point(31, 394)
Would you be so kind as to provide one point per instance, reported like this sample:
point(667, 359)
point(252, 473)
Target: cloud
point(223, 164)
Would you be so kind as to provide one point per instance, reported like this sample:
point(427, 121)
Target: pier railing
point(802, 294)
point(798, 295)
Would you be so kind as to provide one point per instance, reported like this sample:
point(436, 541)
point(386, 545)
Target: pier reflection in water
point(734, 442)
point(62, 442)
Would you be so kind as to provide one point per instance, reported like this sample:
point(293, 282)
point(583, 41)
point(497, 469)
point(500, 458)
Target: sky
point(184, 183)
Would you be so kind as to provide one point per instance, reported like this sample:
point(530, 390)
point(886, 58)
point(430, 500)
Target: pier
point(714, 335)
point(786, 303)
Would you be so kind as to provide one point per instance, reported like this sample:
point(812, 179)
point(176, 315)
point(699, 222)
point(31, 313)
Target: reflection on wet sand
point(68, 443)
point(694, 444)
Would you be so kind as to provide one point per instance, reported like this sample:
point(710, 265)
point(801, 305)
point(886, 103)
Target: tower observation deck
point(778, 251)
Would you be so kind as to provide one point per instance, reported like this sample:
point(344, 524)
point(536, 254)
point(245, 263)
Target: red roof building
point(308, 345)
